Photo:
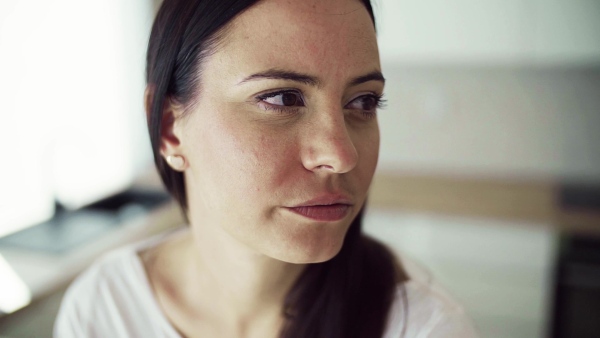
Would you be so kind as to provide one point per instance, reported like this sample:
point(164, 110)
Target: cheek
point(278, 167)
point(368, 154)
point(367, 146)
point(267, 160)
point(242, 159)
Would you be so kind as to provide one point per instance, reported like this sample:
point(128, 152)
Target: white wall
point(492, 121)
point(490, 31)
point(491, 88)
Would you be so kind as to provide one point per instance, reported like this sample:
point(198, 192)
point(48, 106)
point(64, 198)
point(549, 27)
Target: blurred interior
point(489, 170)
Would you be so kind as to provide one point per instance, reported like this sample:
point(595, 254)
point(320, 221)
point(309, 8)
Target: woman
point(262, 116)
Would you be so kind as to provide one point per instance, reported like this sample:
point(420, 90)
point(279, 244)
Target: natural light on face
point(286, 114)
point(72, 78)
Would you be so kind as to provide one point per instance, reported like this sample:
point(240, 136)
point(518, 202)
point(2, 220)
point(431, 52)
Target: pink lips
point(325, 209)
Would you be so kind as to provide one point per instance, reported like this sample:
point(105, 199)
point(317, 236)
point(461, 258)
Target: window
point(72, 124)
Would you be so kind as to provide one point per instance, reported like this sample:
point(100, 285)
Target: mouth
point(324, 209)
point(323, 213)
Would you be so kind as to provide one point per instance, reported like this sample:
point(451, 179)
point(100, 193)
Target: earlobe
point(170, 146)
point(177, 162)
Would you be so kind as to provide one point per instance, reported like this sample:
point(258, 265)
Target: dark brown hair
point(348, 296)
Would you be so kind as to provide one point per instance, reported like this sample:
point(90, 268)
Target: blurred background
point(489, 173)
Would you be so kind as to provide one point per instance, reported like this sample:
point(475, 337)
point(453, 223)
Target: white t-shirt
point(113, 298)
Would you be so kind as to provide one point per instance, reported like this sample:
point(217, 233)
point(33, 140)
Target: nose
point(328, 146)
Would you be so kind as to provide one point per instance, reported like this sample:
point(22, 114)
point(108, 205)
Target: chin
point(306, 259)
point(310, 251)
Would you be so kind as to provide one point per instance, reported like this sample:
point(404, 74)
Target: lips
point(328, 208)
point(323, 213)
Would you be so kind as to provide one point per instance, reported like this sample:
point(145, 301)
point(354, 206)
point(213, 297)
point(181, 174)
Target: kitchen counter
point(536, 201)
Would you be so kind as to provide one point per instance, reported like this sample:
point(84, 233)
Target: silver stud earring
point(177, 162)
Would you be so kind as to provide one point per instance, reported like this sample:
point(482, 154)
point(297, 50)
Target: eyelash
point(380, 103)
point(260, 99)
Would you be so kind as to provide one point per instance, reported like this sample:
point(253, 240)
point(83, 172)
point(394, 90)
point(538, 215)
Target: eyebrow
point(278, 74)
point(372, 76)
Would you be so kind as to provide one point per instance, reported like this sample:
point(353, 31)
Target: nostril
point(328, 148)
point(327, 167)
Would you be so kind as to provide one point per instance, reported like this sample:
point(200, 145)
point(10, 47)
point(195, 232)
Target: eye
point(286, 98)
point(365, 103)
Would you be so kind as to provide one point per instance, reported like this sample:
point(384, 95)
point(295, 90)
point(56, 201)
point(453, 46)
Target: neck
point(239, 285)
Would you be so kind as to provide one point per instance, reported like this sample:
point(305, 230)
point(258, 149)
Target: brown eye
point(287, 99)
point(365, 102)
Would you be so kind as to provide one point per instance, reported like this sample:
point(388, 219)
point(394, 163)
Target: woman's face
point(283, 141)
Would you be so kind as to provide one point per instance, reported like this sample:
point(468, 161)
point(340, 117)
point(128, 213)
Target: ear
point(170, 142)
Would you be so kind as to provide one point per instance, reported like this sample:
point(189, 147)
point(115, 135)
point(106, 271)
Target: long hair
point(348, 296)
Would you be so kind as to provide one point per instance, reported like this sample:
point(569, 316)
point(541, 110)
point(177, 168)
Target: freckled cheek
point(275, 158)
point(257, 161)
point(368, 153)
point(218, 152)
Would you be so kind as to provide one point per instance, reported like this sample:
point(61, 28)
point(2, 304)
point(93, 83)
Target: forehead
point(333, 38)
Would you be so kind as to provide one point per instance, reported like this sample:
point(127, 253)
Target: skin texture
point(246, 163)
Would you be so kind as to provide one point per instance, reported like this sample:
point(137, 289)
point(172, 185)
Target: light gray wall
point(492, 121)
point(491, 88)
point(490, 31)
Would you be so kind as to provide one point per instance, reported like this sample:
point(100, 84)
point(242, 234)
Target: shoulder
point(91, 299)
point(112, 298)
point(115, 272)
point(425, 310)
